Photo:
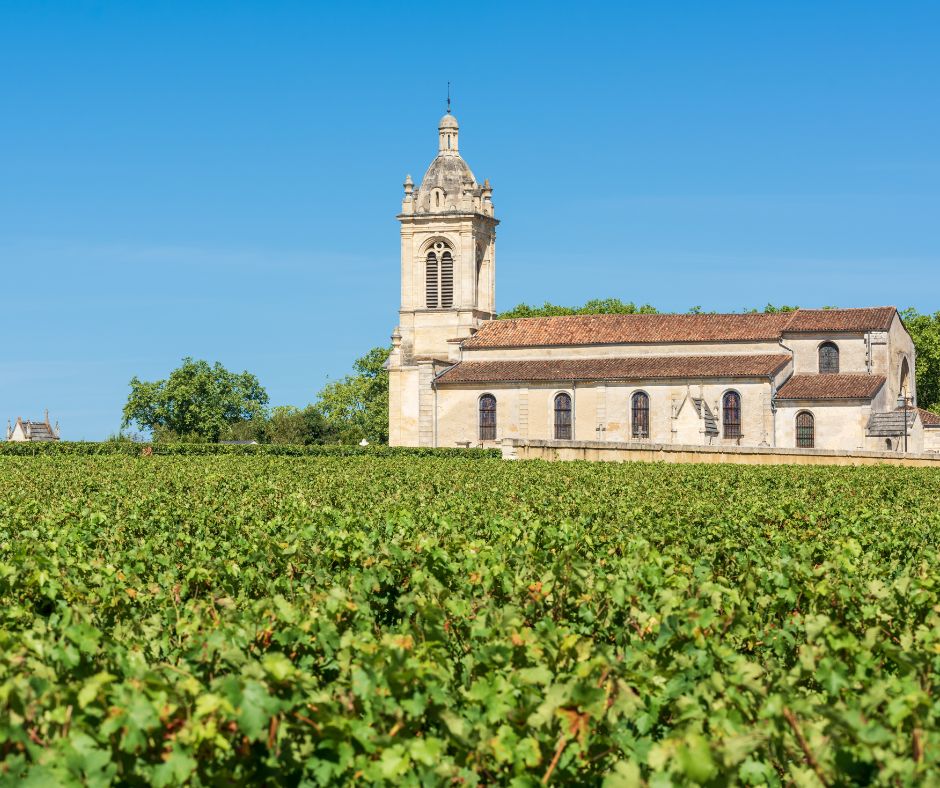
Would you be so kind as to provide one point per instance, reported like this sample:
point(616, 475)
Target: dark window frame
point(731, 415)
point(828, 354)
point(805, 430)
point(487, 417)
point(640, 415)
point(564, 419)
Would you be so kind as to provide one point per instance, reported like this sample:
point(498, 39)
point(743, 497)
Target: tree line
point(202, 402)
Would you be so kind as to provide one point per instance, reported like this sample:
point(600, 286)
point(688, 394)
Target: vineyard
point(200, 620)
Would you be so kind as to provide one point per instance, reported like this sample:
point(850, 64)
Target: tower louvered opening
point(447, 280)
point(431, 277)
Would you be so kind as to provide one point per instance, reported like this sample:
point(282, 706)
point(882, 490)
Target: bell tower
point(448, 265)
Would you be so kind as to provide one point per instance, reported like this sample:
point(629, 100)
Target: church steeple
point(448, 272)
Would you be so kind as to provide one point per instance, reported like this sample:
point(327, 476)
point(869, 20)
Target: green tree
point(302, 426)
point(356, 406)
point(925, 330)
point(596, 306)
point(198, 401)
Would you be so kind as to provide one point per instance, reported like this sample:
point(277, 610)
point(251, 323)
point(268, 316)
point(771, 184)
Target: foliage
point(925, 329)
point(177, 449)
point(123, 436)
point(264, 620)
point(196, 402)
point(596, 306)
point(356, 406)
point(298, 426)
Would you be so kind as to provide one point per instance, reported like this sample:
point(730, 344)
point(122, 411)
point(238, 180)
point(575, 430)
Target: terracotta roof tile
point(870, 319)
point(641, 329)
point(635, 368)
point(929, 418)
point(831, 387)
point(623, 329)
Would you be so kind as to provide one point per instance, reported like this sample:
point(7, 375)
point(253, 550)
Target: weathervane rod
point(448, 98)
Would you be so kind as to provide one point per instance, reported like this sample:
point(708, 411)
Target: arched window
point(439, 277)
point(904, 381)
point(447, 280)
point(640, 412)
point(563, 417)
point(487, 417)
point(430, 278)
point(805, 430)
point(731, 414)
point(828, 359)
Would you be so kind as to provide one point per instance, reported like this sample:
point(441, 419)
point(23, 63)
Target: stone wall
point(514, 449)
point(602, 409)
point(932, 439)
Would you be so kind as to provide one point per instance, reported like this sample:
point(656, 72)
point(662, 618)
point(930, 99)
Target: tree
point(196, 402)
point(596, 306)
point(356, 406)
point(925, 331)
point(306, 426)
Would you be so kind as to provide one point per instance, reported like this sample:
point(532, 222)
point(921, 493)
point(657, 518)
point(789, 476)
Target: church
point(809, 379)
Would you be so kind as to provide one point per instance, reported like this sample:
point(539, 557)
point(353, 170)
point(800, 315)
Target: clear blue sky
point(220, 180)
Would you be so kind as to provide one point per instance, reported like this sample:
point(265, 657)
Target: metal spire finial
point(448, 98)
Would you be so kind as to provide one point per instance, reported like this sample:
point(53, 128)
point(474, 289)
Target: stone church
point(813, 378)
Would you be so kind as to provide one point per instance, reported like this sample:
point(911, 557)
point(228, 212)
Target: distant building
point(24, 431)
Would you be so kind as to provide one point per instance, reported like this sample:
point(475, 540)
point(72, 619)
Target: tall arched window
point(731, 414)
point(447, 280)
point(828, 359)
point(439, 277)
point(430, 278)
point(805, 430)
point(640, 412)
point(487, 417)
point(904, 382)
point(563, 417)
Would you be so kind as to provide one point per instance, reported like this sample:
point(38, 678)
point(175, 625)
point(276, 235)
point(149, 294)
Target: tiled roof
point(871, 319)
point(38, 431)
point(641, 329)
point(831, 387)
point(882, 425)
point(635, 368)
point(928, 418)
point(617, 329)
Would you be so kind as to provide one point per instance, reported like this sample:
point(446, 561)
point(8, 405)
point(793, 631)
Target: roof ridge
point(641, 314)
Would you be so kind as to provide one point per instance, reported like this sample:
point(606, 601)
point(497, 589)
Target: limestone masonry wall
point(514, 449)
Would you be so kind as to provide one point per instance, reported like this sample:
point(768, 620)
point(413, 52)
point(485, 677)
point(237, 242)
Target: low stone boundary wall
point(516, 449)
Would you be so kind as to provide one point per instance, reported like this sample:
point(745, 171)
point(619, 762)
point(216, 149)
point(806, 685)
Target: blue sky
point(220, 180)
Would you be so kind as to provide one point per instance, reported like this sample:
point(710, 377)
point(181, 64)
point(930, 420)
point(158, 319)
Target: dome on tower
point(449, 182)
point(449, 174)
